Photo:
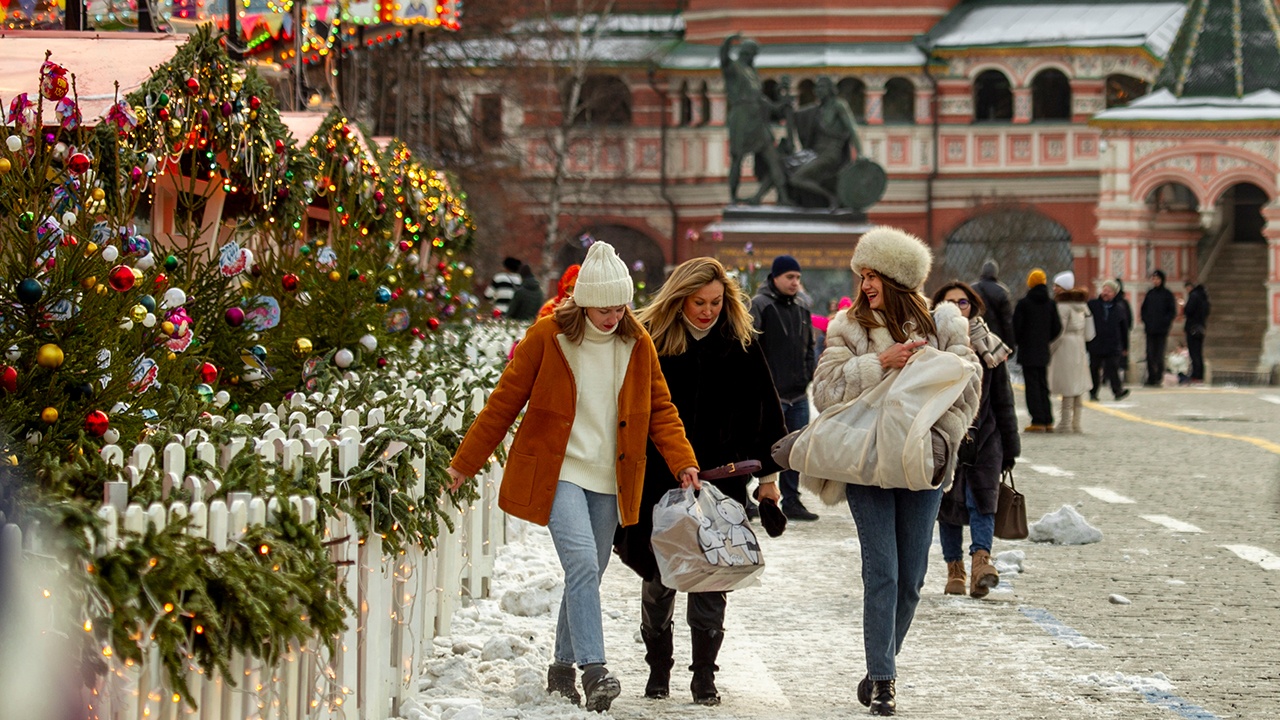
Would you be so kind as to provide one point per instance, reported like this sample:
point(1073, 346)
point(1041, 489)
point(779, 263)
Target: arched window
point(899, 101)
point(992, 97)
point(805, 94)
point(854, 92)
point(704, 99)
point(1017, 237)
point(604, 100)
point(1124, 89)
point(1050, 96)
point(686, 105)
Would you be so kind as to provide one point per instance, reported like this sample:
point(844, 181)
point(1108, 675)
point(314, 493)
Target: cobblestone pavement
point(1185, 487)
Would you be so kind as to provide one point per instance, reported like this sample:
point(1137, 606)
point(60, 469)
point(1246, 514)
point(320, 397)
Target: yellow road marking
point(1267, 445)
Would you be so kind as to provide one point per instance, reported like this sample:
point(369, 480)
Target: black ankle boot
point(658, 656)
point(864, 691)
point(883, 701)
point(706, 647)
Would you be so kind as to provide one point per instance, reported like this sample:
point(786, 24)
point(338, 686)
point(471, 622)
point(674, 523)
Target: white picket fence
point(401, 603)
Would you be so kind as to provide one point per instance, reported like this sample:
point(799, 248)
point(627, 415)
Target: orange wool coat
point(539, 375)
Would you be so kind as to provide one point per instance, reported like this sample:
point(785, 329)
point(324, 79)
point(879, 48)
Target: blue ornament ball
point(205, 392)
point(382, 294)
point(148, 302)
point(30, 291)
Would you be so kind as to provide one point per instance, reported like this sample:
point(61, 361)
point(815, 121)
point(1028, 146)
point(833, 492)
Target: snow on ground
point(1065, 526)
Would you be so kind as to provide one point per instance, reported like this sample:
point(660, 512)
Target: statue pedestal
point(751, 236)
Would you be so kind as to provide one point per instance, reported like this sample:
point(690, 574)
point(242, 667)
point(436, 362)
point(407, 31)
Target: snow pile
point(1119, 682)
point(1010, 562)
point(1066, 526)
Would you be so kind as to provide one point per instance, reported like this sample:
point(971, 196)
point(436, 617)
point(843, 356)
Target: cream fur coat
point(850, 365)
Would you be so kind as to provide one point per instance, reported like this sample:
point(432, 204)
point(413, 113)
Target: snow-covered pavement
point(1173, 613)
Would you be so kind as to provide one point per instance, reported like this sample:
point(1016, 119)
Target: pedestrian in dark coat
point(988, 450)
point(721, 386)
point(1110, 344)
point(1036, 323)
point(785, 325)
point(527, 299)
point(1195, 315)
point(1159, 308)
point(999, 305)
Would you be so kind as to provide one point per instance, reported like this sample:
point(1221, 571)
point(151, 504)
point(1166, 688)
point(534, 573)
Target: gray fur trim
point(898, 255)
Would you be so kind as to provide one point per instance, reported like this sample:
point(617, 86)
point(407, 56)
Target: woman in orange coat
point(596, 396)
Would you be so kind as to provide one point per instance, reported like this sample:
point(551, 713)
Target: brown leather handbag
point(738, 469)
point(1011, 511)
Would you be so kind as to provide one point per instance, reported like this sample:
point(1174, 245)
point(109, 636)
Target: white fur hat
point(1065, 280)
point(899, 256)
point(603, 280)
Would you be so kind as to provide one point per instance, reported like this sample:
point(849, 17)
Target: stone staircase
point(1238, 315)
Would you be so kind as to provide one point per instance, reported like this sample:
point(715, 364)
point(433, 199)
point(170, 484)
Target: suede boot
point(563, 679)
point(955, 578)
point(983, 575)
point(883, 698)
point(706, 647)
point(658, 656)
point(600, 687)
point(1065, 423)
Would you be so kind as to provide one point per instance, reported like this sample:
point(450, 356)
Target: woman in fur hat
point(721, 385)
point(888, 322)
point(989, 449)
point(596, 398)
point(1068, 359)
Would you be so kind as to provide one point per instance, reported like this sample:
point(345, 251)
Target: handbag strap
point(1007, 478)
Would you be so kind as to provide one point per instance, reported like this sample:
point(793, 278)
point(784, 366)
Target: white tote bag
point(703, 542)
point(882, 437)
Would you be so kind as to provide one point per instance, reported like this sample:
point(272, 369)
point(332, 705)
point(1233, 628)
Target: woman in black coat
point(987, 451)
point(720, 384)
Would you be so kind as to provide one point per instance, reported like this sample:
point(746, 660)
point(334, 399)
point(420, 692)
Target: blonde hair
point(661, 317)
point(573, 321)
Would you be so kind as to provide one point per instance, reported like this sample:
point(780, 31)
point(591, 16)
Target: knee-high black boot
point(706, 647)
point(658, 654)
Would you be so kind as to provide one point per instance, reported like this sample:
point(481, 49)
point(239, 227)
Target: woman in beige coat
point(1068, 359)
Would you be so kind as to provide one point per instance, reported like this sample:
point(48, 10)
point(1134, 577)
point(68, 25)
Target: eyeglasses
point(961, 302)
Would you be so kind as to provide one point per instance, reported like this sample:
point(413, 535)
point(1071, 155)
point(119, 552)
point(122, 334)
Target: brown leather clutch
point(742, 467)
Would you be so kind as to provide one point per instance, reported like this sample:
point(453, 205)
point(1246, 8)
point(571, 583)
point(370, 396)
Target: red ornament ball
point(234, 316)
point(254, 103)
point(78, 163)
point(209, 373)
point(497, 313)
point(434, 324)
point(193, 85)
point(382, 362)
point(121, 278)
point(442, 265)
point(96, 423)
point(290, 282)
point(9, 379)
point(161, 280)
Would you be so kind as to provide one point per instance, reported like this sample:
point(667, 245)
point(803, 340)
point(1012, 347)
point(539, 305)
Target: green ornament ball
point(171, 263)
point(26, 221)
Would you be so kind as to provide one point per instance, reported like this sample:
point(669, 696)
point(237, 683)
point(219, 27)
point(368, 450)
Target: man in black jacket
point(786, 336)
point(1110, 344)
point(999, 308)
point(1195, 314)
point(1159, 308)
point(1036, 323)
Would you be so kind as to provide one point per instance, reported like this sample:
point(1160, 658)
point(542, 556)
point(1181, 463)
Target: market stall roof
point(97, 60)
point(1067, 23)
point(691, 56)
point(302, 125)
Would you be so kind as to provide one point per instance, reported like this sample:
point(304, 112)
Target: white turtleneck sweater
point(589, 458)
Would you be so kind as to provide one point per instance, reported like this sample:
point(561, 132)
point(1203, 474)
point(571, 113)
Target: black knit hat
point(511, 264)
point(784, 264)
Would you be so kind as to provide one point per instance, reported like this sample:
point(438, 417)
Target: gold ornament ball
point(172, 356)
point(137, 313)
point(49, 356)
point(167, 327)
point(468, 272)
point(5, 166)
point(175, 127)
point(49, 415)
point(89, 282)
point(99, 194)
point(334, 275)
point(302, 347)
point(90, 248)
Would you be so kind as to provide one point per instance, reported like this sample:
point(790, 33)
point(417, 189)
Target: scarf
point(987, 344)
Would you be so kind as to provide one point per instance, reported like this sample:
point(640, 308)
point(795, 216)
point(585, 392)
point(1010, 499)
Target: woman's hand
point(896, 357)
point(689, 476)
point(768, 491)
point(457, 479)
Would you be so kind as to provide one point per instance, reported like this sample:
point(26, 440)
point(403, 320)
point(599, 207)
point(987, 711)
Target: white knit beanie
point(897, 255)
point(603, 280)
point(1065, 280)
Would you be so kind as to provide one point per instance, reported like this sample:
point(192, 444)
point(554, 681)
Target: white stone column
point(1271, 340)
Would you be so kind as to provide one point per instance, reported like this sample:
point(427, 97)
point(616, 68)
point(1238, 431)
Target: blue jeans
point(982, 529)
point(796, 415)
point(895, 530)
point(582, 526)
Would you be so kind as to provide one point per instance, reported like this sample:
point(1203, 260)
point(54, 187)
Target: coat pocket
point(519, 478)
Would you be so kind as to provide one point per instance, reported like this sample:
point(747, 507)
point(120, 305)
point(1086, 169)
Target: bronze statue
point(826, 128)
point(749, 113)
